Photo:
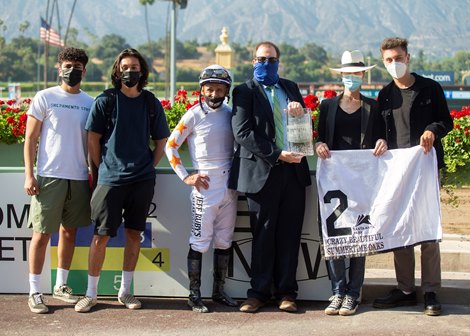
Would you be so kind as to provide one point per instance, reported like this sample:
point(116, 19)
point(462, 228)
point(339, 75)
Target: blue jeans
point(339, 283)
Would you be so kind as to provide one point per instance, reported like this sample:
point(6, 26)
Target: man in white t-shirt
point(60, 192)
point(207, 129)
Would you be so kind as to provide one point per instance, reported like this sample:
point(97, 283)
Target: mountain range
point(437, 27)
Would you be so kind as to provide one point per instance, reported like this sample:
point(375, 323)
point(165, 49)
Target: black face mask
point(130, 78)
point(214, 102)
point(71, 76)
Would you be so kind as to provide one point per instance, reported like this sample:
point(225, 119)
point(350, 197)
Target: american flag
point(49, 35)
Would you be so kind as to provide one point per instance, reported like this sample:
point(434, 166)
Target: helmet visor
point(214, 73)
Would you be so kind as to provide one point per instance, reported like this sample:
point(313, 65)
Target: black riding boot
point(221, 258)
point(194, 274)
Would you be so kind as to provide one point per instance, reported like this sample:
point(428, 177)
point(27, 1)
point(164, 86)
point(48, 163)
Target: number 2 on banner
point(342, 206)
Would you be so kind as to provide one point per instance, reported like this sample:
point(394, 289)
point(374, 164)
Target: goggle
point(262, 59)
point(214, 73)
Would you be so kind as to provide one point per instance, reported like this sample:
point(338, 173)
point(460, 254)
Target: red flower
point(314, 134)
point(166, 104)
point(329, 94)
point(311, 101)
point(10, 120)
point(457, 126)
point(196, 93)
point(457, 140)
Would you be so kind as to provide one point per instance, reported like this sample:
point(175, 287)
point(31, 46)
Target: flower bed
point(13, 120)
point(457, 142)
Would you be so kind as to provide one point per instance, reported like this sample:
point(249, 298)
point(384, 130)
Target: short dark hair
point(72, 54)
point(268, 43)
point(394, 42)
point(116, 71)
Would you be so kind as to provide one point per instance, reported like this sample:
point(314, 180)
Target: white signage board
point(161, 270)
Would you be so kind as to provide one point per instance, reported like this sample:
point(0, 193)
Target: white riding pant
point(214, 211)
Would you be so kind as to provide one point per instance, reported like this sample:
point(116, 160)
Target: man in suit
point(272, 178)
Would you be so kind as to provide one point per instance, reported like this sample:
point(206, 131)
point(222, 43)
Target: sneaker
point(64, 293)
point(36, 304)
point(432, 307)
point(335, 305)
point(130, 301)
point(395, 298)
point(349, 306)
point(85, 304)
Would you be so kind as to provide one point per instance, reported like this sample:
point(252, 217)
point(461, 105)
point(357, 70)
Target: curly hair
point(394, 42)
point(72, 54)
point(116, 70)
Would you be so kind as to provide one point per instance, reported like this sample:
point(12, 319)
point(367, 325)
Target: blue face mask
point(351, 82)
point(266, 73)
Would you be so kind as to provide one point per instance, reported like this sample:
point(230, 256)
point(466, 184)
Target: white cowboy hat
point(352, 61)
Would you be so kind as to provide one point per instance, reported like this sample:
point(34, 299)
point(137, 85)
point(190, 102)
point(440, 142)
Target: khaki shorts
point(60, 201)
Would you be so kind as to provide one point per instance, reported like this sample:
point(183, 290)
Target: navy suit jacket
point(255, 136)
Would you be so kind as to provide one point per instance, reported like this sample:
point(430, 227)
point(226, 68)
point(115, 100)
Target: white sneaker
point(349, 306)
point(130, 301)
point(335, 305)
point(36, 304)
point(85, 304)
point(64, 293)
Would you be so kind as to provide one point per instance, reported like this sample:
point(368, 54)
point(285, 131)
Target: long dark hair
point(116, 72)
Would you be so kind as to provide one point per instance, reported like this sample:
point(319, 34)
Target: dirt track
point(456, 219)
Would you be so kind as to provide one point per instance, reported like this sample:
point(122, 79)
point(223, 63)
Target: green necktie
point(277, 114)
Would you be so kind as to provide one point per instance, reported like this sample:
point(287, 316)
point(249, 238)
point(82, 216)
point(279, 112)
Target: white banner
point(374, 204)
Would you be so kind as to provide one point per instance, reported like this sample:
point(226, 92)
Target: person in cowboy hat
point(206, 127)
point(349, 121)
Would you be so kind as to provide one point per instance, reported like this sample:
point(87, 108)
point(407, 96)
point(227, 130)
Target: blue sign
point(442, 77)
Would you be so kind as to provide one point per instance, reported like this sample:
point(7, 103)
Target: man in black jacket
point(415, 113)
point(272, 178)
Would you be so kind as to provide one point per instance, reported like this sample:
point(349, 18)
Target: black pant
point(277, 214)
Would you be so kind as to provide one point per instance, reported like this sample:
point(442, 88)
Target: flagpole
point(38, 68)
point(46, 56)
point(46, 49)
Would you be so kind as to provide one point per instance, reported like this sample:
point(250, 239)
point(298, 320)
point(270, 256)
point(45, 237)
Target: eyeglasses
point(262, 59)
point(214, 73)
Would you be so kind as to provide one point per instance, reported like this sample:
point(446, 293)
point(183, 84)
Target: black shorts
point(111, 204)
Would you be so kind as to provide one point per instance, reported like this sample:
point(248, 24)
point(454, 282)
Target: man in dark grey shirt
point(415, 113)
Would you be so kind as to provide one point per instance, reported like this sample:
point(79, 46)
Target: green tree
point(243, 72)
point(314, 52)
point(18, 59)
point(73, 41)
point(23, 26)
point(106, 51)
point(186, 75)
point(187, 50)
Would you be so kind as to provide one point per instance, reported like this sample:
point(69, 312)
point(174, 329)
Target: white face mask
point(396, 69)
